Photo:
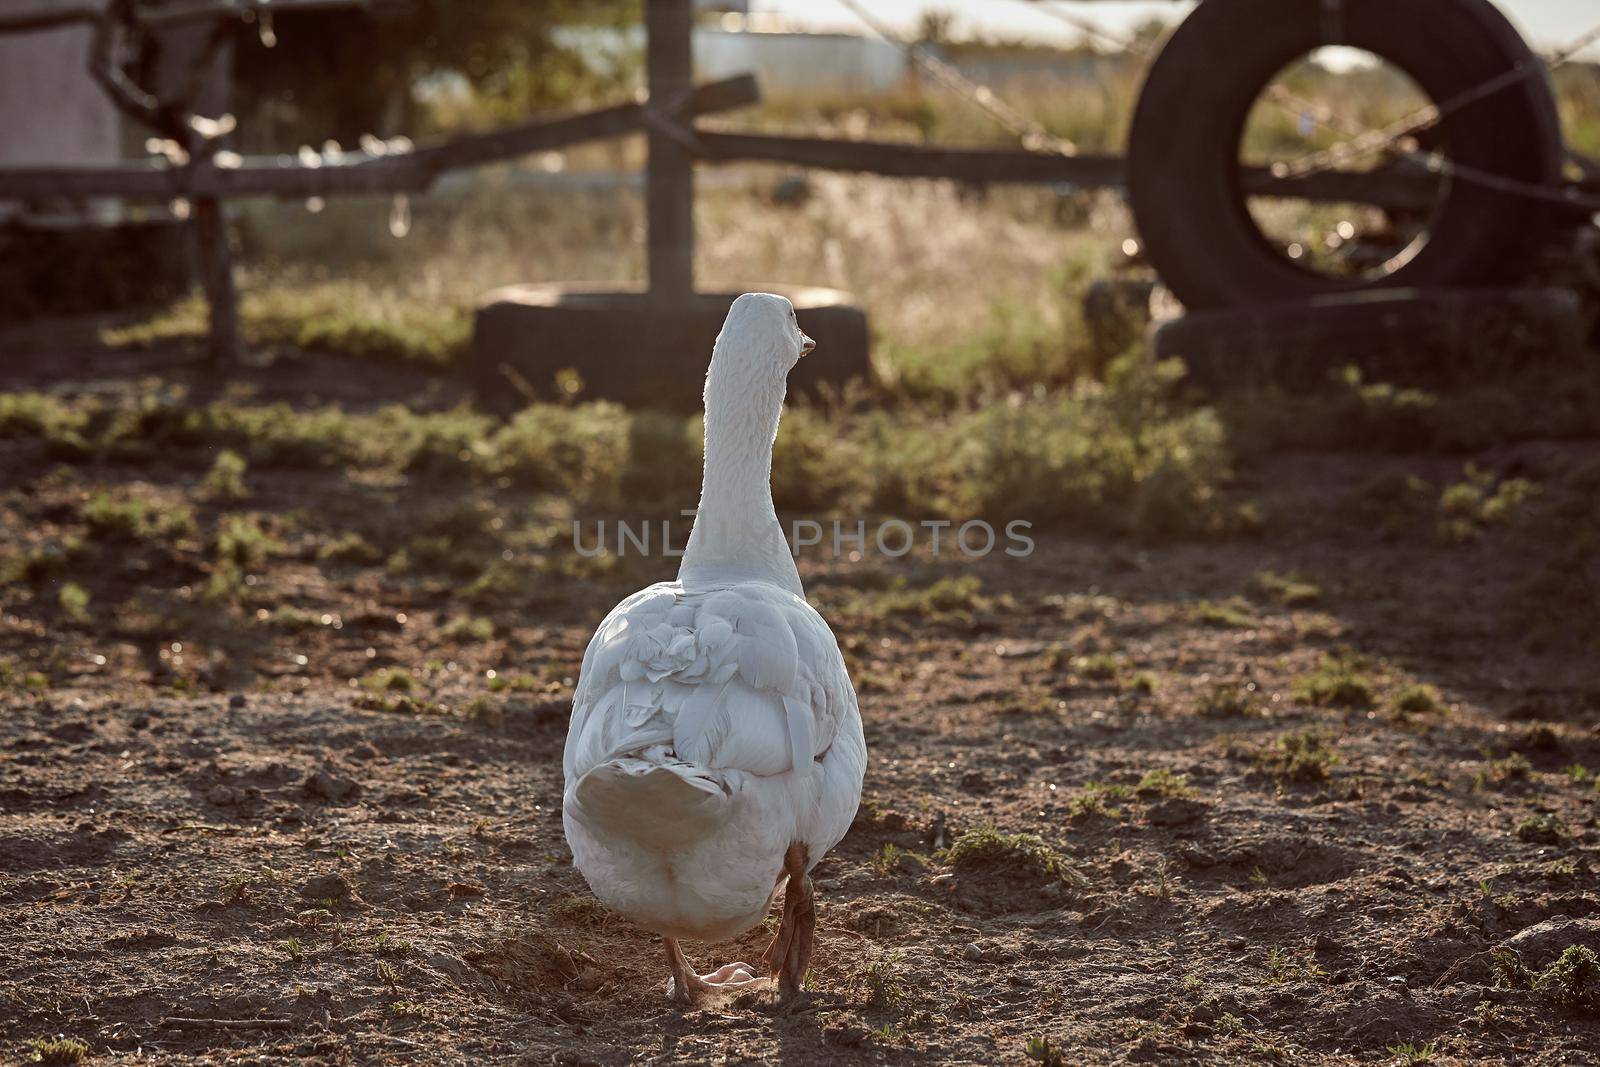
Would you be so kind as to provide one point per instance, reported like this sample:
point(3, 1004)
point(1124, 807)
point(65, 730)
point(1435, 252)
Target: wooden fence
point(208, 178)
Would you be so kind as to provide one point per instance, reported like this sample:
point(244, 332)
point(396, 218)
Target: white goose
point(715, 752)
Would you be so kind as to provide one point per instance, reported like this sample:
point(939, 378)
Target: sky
point(1546, 23)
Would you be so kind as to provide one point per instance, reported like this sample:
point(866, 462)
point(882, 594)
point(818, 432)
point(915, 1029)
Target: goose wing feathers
point(743, 678)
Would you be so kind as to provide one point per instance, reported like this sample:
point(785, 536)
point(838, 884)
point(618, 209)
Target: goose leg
point(789, 955)
point(691, 989)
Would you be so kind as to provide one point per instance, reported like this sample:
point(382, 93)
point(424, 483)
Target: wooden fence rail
point(1390, 187)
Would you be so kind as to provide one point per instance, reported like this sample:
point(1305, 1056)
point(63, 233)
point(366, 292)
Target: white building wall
point(790, 62)
point(51, 110)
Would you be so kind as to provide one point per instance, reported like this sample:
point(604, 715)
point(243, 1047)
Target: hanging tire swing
point(1183, 155)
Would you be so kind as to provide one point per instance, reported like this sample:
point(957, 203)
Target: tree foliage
point(340, 74)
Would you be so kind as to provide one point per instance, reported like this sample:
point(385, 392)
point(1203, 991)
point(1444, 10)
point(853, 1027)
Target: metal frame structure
point(206, 178)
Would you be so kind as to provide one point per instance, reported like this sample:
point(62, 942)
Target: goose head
point(759, 345)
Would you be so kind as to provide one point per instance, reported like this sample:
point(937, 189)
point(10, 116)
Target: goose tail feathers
point(659, 803)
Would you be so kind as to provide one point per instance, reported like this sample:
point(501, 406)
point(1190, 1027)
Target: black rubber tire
point(1183, 174)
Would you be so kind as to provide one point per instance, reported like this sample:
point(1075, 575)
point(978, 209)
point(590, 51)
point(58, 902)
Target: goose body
point(715, 751)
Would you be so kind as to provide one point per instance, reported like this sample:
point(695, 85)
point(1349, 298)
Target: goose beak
point(806, 345)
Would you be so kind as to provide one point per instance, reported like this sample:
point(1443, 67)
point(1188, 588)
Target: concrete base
point(1406, 336)
point(628, 347)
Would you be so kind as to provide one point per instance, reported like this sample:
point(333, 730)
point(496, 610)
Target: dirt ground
point(1301, 786)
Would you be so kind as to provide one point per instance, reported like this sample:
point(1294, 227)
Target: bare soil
point(205, 814)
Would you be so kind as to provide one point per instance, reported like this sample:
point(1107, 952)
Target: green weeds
point(1338, 681)
point(224, 482)
point(985, 848)
point(56, 1051)
point(1306, 757)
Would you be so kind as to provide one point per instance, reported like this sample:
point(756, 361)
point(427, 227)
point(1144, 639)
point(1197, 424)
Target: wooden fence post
point(216, 278)
point(669, 180)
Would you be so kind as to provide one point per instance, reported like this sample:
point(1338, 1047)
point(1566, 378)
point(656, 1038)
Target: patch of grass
point(1582, 777)
point(986, 849)
point(113, 520)
point(74, 601)
point(244, 542)
point(882, 981)
point(436, 554)
point(1543, 830)
point(348, 317)
point(499, 583)
point(1507, 971)
point(400, 705)
point(238, 886)
point(14, 677)
point(42, 563)
point(289, 617)
point(1541, 737)
point(566, 450)
point(134, 518)
point(1095, 799)
point(352, 549)
point(1355, 414)
point(1163, 783)
point(1572, 980)
point(1511, 768)
point(1039, 1050)
point(56, 1051)
point(1142, 683)
point(1303, 757)
point(1230, 614)
point(484, 710)
point(891, 859)
point(1419, 699)
point(1413, 1055)
point(292, 948)
point(1290, 590)
point(515, 683)
point(226, 584)
point(1466, 507)
point(58, 422)
point(224, 482)
point(390, 680)
point(1224, 701)
point(1338, 681)
point(1100, 666)
point(463, 628)
point(1121, 457)
point(942, 598)
point(1283, 968)
point(395, 947)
